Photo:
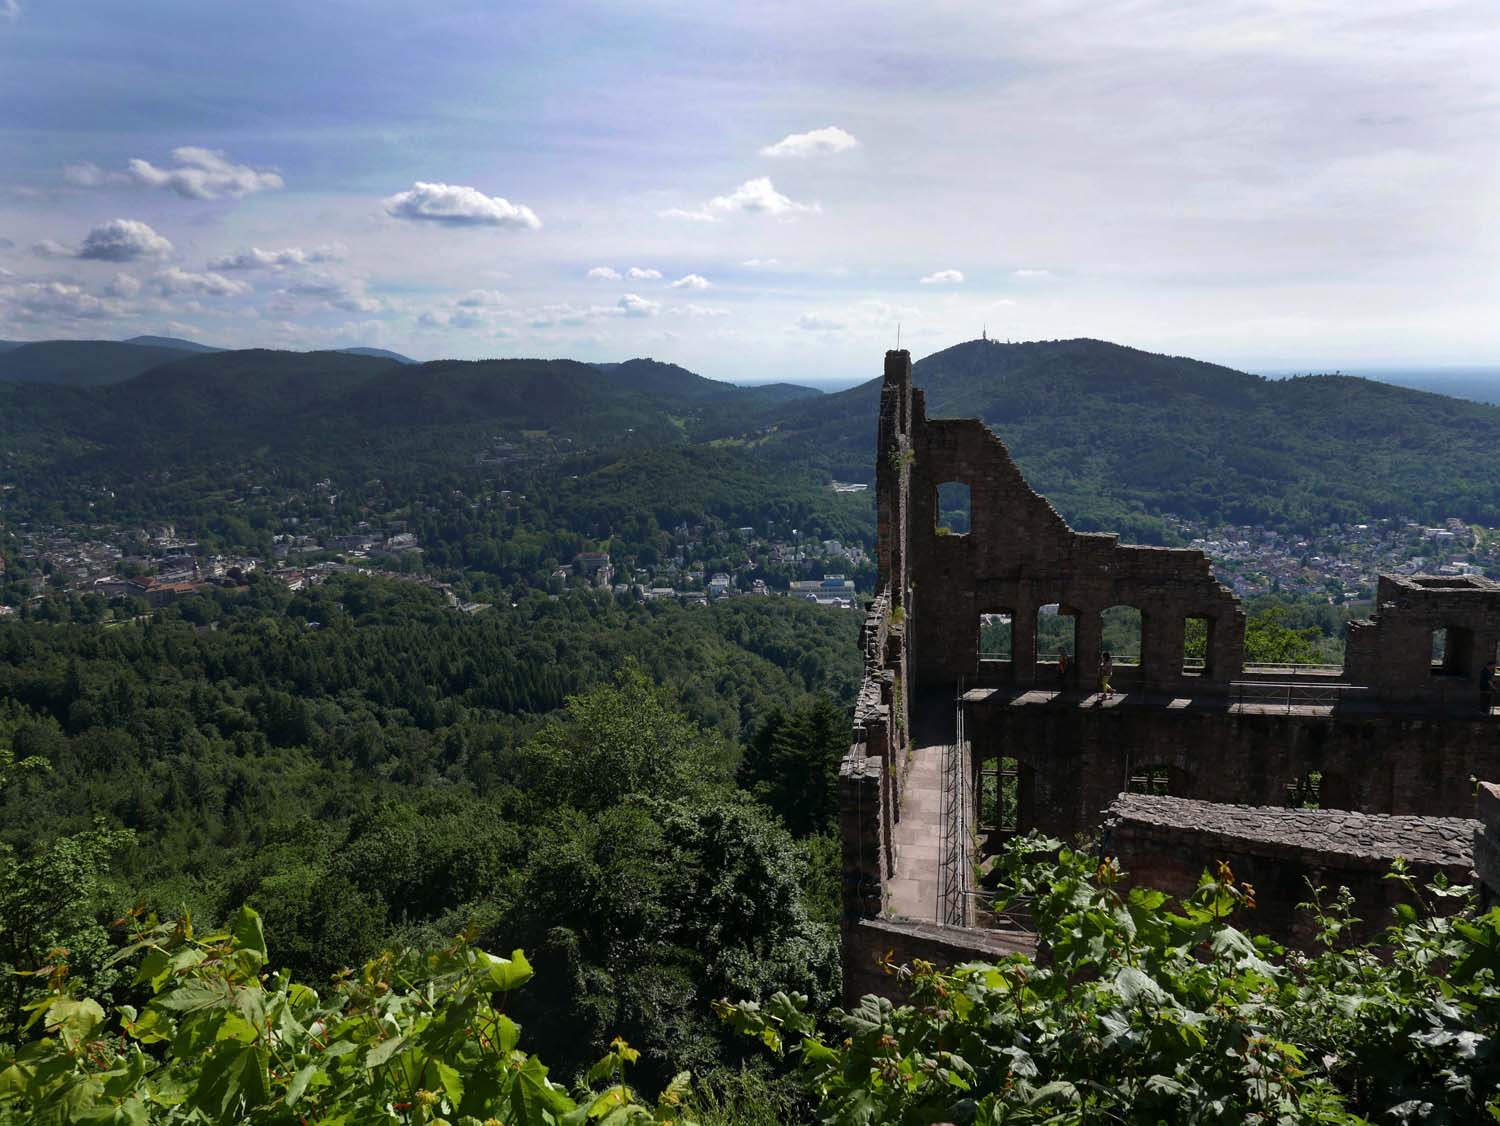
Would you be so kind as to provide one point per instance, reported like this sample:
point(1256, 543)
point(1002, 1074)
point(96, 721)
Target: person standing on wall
point(1487, 686)
point(1106, 670)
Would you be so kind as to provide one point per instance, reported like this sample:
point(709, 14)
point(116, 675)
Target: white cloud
point(254, 258)
point(604, 273)
point(56, 300)
point(173, 281)
point(548, 316)
point(636, 306)
point(196, 173)
point(457, 206)
point(482, 299)
point(1002, 303)
point(753, 197)
point(347, 294)
point(814, 322)
point(90, 175)
point(692, 281)
point(702, 311)
point(690, 216)
point(11, 8)
point(124, 285)
point(818, 142)
point(122, 240)
point(758, 196)
point(638, 273)
point(51, 248)
point(944, 277)
point(760, 263)
point(1035, 275)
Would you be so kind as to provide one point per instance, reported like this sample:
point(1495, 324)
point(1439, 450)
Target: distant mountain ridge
point(173, 342)
point(1114, 436)
point(1105, 430)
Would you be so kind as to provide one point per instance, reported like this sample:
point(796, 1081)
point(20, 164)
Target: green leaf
point(534, 1101)
point(249, 935)
point(299, 1083)
point(74, 1021)
point(506, 974)
point(384, 1051)
point(233, 1080)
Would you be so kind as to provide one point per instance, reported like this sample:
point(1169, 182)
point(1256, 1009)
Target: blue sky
point(757, 191)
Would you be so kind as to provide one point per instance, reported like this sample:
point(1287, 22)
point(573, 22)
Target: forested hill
point(1112, 434)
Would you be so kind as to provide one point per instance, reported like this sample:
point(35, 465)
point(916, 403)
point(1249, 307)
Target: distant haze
point(1481, 384)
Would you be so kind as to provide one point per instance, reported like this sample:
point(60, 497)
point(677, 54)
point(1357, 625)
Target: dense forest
point(601, 783)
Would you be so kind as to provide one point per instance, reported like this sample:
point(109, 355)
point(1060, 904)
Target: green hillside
point(81, 363)
point(176, 342)
point(1113, 434)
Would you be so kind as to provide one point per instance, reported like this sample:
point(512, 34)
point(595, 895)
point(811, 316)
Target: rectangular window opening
point(1197, 635)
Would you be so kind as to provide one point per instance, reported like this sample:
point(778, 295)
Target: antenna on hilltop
point(985, 335)
point(898, 336)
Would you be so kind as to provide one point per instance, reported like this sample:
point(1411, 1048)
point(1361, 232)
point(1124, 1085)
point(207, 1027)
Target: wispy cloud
point(692, 281)
point(633, 305)
point(196, 173)
point(638, 273)
point(604, 273)
point(173, 280)
point(753, 197)
point(455, 205)
point(254, 258)
point(943, 277)
point(818, 142)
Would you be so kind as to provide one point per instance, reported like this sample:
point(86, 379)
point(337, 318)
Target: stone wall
point(1074, 759)
point(870, 941)
point(1487, 844)
point(1165, 843)
point(1020, 555)
point(1393, 651)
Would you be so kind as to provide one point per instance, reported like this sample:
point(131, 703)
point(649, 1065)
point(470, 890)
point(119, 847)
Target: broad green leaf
point(506, 974)
point(75, 1021)
point(384, 1051)
point(249, 935)
point(299, 1083)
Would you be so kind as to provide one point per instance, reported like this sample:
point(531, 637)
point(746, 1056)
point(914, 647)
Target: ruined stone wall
point(1020, 555)
point(1166, 843)
point(870, 942)
point(1074, 760)
point(1392, 652)
point(1487, 844)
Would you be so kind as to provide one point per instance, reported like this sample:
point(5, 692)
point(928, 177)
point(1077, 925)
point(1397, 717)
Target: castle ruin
point(1322, 773)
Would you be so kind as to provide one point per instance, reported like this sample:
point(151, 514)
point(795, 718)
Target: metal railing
point(1289, 694)
point(953, 848)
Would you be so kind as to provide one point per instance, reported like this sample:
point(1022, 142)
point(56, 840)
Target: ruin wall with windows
point(1395, 733)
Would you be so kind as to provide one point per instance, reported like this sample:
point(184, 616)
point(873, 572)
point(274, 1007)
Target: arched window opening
point(995, 635)
point(1057, 643)
point(952, 509)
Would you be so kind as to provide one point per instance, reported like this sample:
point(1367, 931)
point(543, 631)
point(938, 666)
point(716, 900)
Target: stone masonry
point(1165, 843)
